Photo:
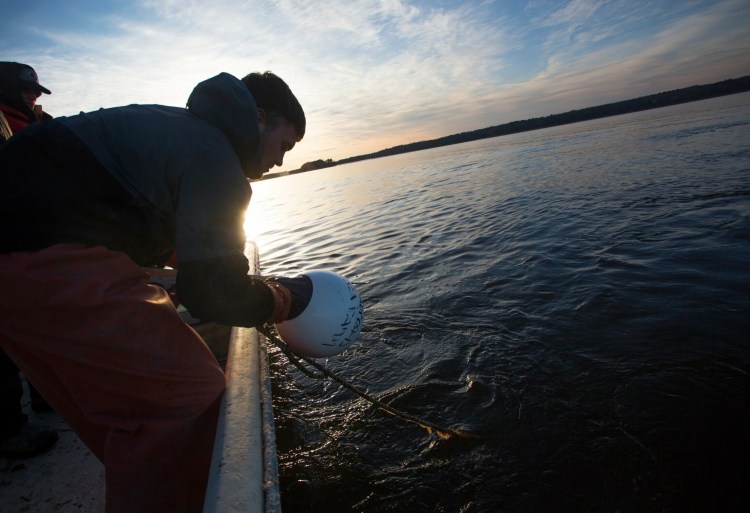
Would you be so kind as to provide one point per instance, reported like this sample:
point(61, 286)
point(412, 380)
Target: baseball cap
point(28, 79)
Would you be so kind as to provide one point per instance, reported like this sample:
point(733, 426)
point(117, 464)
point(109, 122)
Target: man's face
point(29, 97)
point(276, 140)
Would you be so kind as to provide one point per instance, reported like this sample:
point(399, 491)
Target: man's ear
point(261, 121)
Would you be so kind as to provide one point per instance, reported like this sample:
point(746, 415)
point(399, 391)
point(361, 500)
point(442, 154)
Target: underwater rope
point(443, 432)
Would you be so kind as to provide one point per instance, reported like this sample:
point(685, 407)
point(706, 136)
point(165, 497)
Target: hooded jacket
point(147, 180)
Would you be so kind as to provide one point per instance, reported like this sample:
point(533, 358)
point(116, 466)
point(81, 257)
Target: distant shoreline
point(653, 101)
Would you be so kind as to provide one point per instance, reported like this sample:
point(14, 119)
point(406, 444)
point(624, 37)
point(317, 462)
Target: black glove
point(301, 288)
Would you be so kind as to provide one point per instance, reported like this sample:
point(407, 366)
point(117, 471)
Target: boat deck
point(67, 478)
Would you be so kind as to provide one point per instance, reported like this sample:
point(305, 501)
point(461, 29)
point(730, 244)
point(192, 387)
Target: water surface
point(578, 295)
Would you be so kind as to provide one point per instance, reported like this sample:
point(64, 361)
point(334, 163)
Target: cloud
point(708, 45)
point(367, 66)
point(374, 74)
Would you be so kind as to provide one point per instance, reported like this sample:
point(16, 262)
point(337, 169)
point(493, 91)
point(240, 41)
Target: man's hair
point(276, 99)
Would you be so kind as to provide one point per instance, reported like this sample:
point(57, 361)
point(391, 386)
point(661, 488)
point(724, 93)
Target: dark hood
point(225, 102)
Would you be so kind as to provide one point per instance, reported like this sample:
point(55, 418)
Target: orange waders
point(112, 356)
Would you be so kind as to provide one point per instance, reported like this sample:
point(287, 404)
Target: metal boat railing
point(244, 469)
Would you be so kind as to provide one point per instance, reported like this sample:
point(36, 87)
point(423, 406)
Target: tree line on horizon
point(653, 101)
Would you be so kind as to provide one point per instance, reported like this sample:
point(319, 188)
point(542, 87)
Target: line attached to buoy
point(295, 358)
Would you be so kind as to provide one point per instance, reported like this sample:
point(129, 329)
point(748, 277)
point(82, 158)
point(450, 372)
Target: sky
point(379, 73)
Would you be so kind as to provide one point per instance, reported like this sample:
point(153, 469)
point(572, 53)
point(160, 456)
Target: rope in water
point(444, 432)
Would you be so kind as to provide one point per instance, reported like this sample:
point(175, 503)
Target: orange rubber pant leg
point(112, 356)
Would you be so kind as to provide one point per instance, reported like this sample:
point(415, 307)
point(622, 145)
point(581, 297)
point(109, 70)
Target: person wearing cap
point(19, 91)
point(86, 203)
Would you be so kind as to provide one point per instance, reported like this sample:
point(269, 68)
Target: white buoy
point(330, 323)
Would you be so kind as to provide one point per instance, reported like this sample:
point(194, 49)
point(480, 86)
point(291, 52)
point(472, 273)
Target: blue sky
point(374, 74)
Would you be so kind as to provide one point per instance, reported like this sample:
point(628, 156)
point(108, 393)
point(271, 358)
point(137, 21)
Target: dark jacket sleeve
point(220, 290)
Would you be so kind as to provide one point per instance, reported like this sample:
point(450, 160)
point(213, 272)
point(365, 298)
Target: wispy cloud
point(373, 74)
point(700, 46)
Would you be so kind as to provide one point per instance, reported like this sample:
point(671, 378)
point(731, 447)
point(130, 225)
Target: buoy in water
point(330, 323)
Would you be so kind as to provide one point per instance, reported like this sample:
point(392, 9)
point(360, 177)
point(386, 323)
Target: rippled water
point(580, 296)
